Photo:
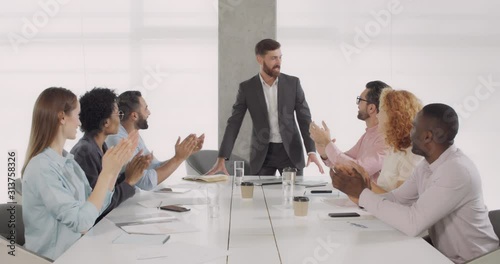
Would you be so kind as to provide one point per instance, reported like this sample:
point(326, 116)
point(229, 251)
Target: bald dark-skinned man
point(443, 195)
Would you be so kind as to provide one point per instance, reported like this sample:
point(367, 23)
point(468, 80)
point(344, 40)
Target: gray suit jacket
point(291, 101)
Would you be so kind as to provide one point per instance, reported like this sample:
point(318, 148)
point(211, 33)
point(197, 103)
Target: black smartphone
point(321, 191)
point(349, 214)
point(174, 208)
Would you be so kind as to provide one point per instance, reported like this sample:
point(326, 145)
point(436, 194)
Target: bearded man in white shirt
point(276, 103)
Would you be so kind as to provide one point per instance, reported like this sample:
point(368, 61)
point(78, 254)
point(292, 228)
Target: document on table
point(311, 183)
point(125, 238)
point(179, 252)
point(172, 190)
point(356, 224)
point(137, 219)
point(340, 202)
point(171, 227)
point(169, 201)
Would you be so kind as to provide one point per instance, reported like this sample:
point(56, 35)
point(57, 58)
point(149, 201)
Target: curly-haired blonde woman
point(398, 109)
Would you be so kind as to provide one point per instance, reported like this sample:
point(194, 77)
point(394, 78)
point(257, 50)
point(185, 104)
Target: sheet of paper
point(340, 202)
point(365, 222)
point(172, 227)
point(160, 216)
point(311, 183)
point(359, 225)
point(154, 203)
point(126, 238)
point(172, 190)
point(179, 252)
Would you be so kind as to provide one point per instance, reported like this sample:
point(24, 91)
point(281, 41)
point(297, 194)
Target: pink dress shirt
point(369, 153)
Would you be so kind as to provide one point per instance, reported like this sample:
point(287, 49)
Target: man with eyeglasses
point(100, 117)
point(370, 149)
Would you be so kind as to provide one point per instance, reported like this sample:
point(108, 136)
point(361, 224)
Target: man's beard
point(142, 123)
point(415, 149)
point(363, 115)
point(270, 71)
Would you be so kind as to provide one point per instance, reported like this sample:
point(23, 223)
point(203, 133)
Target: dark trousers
point(276, 160)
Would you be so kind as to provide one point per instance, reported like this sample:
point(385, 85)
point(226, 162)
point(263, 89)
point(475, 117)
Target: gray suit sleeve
point(233, 125)
point(303, 118)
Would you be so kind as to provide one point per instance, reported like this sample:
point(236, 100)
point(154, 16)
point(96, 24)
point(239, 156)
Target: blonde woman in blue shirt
point(58, 203)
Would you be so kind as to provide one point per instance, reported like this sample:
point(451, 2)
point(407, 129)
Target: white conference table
point(258, 230)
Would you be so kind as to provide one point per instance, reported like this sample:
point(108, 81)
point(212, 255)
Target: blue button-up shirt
point(55, 207)
point(149, 178)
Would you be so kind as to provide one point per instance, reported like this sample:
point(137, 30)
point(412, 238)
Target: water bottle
point(288, 186)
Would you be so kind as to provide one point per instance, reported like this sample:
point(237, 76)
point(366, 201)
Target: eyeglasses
point(359, 99)
point(120, 114)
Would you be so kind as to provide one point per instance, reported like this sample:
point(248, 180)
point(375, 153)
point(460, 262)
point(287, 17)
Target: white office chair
point(5, 216)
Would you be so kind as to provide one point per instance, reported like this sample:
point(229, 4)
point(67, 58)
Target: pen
point(358, 225)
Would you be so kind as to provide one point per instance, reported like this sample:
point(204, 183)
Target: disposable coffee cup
point(300, 205)
point(247, 190)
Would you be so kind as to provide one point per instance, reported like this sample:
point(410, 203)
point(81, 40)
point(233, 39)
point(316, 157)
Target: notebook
point(207, 178)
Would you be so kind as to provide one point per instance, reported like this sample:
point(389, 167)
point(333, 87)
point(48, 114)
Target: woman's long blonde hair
point(47, 112)
point(401, 108)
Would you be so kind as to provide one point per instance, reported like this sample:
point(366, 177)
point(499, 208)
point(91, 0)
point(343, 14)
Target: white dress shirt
point(398, 166)
point(271, 95)
point(149, 178)
point(444, 197)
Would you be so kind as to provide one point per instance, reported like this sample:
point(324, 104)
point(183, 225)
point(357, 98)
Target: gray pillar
point(242, 23)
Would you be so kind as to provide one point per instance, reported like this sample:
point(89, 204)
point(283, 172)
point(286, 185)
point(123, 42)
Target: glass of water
point(239, 172)
point(213, 200)
point(288, 185)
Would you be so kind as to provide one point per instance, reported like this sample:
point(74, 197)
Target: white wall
point(165, 48)
point(440, 50)
point(443, 51)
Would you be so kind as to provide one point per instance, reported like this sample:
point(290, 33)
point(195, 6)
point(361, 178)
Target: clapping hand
point(185, 148)
point(116, 156)
point(199, 144)
point(320, 135)
point(135, 168)
point(349, 179)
